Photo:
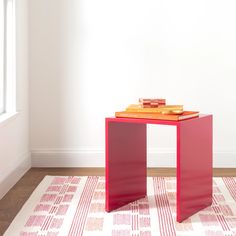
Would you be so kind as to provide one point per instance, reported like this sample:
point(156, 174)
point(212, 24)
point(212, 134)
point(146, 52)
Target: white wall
point(14, 134)
point(90, 58)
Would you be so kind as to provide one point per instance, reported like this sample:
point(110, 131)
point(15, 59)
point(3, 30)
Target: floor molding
point(12, 176)
point(96, 158)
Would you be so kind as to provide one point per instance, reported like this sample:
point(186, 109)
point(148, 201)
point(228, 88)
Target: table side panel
point(194, 166)
point(125, 163)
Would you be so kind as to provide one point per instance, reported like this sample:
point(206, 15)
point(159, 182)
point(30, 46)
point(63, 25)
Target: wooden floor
point(17, 196)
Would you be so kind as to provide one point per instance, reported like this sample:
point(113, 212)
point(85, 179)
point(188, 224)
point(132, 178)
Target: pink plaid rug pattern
point(74, 206)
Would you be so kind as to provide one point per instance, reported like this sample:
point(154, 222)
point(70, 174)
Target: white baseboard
point(67, 158)
point(10, 177)
point(224, 159)
point(96, 158)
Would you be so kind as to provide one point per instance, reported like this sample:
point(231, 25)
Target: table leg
point(125, 163)
point(194, 166)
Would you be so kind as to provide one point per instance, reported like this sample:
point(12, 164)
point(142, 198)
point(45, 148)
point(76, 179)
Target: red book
point(151, 102)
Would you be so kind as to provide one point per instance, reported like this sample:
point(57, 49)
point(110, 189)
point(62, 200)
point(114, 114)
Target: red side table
point(126, 152)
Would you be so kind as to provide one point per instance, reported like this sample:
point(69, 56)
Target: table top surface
point(155, 121)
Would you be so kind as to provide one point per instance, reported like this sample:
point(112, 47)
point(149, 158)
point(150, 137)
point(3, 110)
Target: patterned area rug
point(74, 206)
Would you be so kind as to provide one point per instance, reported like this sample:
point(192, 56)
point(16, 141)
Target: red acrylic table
point(126, 152)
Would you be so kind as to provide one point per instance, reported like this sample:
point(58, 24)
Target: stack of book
point(156, 109)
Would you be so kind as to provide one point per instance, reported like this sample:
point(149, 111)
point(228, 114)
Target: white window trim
point(2, 59)
point(6, 118)
point(9, 62)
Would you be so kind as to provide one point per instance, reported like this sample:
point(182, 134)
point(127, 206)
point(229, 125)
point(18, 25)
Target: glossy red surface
point(194, 166)
point(126, 162)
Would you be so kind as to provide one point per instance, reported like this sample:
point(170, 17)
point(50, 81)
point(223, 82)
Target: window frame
point(9, 57)
point(3, 56)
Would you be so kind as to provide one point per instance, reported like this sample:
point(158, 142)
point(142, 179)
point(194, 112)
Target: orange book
point(177, 109)
point(157, 116)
